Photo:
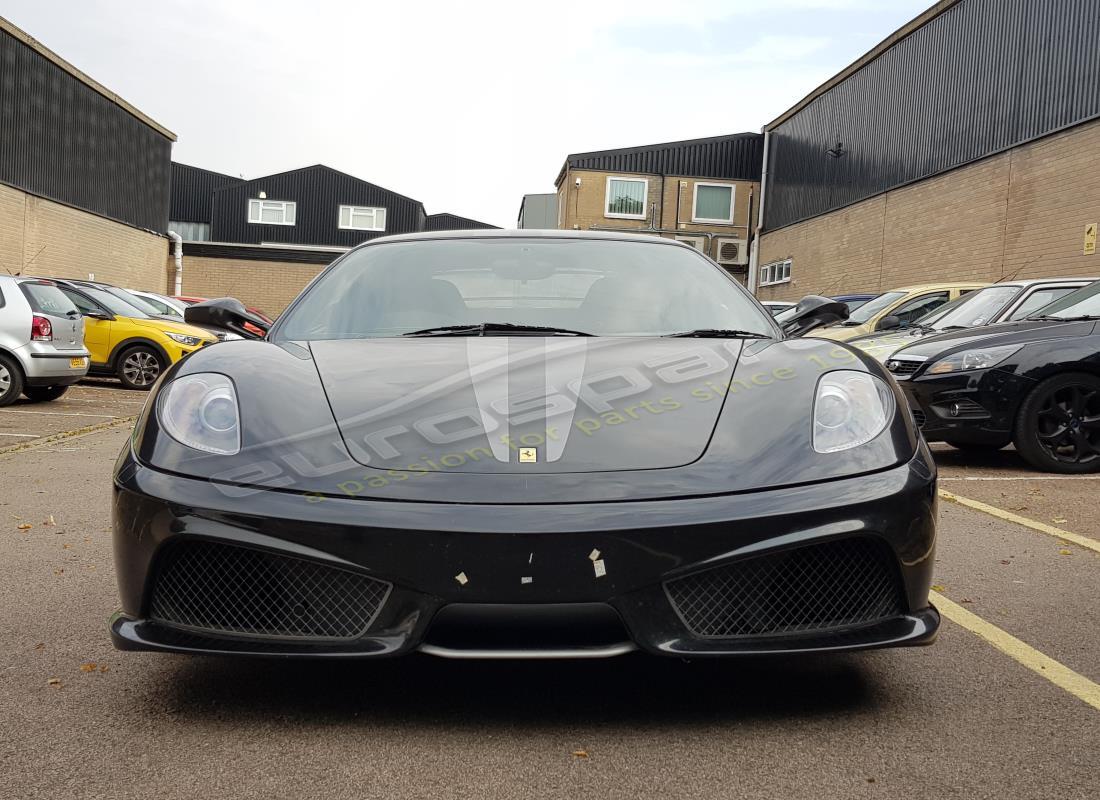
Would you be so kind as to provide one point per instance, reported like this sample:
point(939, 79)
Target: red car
point(192, 300)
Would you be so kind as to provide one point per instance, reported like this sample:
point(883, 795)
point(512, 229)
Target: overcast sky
point(463, 106)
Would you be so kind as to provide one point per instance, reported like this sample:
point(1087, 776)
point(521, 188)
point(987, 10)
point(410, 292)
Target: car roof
point(504, 233)
point(924, 287)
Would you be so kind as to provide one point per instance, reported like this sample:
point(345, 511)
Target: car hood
point(424, 419)
point(172, 327)
point(883, 345)
point(1001, 333)
point(841, 332)
point(522, 404)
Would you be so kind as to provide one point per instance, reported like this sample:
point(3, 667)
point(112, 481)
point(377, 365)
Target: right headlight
point(851, 408)
point(201, 412)
point(979, 358)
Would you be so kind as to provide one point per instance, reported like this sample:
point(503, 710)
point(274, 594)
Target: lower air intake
point(222, 588)
point(819, 587)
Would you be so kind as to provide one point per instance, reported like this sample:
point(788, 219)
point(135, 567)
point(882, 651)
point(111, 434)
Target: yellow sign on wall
point(1090, 238)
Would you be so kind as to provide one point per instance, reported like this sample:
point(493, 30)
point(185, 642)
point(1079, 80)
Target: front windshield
point(872, 307)
point(600, 287)
point(115, 305)
point(977, 308)
point(1085, 302)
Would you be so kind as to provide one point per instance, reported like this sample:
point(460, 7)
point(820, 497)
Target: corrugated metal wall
point(983, 76)
point(61, 139)
point(192, 195)
point(735, 157)
point(319, 192)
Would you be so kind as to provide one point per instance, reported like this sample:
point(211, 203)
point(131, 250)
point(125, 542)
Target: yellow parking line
point(1058, 674)
point(1035, 525)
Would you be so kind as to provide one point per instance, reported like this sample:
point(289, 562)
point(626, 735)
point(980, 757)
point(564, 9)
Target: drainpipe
point(754, 249)
point(177, 252)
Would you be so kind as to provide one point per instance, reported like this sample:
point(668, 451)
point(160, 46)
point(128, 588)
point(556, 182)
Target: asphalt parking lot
point(1005, 704)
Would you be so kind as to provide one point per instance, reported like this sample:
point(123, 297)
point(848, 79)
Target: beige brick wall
point(266, 285)
point(41, 237)
point(1022, 212)
point(583, 207)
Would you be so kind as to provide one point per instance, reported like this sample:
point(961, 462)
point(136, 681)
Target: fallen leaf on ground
point(49, 520)
point(54, 682)
point(103, 667)
point(24, 527)
point(89, 666)
point(40, 646)
point(1065, 552)
point(1005, 561)
point(966, 600)
point(1017, 508)
point(66, 547)
point(1059, 520)
point(937, 587)
point(580, 754)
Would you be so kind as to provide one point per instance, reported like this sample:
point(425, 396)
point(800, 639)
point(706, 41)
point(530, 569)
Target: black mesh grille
point(828, 585)
point(898, 366)
point(223, 588)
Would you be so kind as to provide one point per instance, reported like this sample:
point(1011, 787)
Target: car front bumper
point(599, 579)
point(974, 406)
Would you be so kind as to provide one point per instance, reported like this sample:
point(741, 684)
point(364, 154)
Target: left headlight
point(183, 338)
point(201, 412)
point(851, 408)
point(973, 359)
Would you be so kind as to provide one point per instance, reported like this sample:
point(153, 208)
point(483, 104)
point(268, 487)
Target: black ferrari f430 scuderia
point(519, 444)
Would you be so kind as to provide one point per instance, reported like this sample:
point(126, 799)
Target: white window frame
point(695, 202)
point(607, 197)
point(776, 272)
point(256, 205)
point(351, 226)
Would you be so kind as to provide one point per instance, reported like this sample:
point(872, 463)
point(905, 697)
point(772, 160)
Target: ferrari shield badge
point(528, 455)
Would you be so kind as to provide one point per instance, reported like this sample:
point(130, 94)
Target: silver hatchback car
point(41, 340)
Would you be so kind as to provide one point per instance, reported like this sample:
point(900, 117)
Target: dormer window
point(362, 218)
point(272, 212)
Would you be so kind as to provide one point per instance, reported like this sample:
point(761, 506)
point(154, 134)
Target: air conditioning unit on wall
point(698, 242)
point(731, 252)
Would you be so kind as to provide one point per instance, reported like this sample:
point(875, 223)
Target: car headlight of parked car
point(183, 338)
point(973, 359)
point(851, 408)
point(201, 412)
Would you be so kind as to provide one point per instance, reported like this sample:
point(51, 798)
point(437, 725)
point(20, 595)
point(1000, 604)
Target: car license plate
point(76, 363)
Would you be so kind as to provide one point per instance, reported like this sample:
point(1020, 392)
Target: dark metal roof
point(63, 139)
point(978, 78)
point(193, 192)
point(453, 222)
point(735, 156)
point(318, 191)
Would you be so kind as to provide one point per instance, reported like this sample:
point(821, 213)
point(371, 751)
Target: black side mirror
point(98, 314)
point(813, 312)
point(889, 323)
point(226, 313)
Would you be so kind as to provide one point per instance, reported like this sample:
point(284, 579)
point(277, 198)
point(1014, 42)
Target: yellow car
point(896, 308)
point(125, 341)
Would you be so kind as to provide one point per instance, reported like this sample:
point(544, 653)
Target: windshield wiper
point(486, 328)
point(717, 333)
point(1080, 318)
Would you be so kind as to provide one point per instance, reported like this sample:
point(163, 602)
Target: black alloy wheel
point(1058, 429)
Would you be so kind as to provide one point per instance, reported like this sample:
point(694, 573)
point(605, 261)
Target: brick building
point(84, 175)
point(964, 146)
point(701, 191)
